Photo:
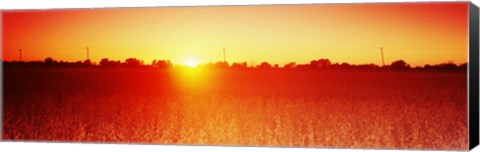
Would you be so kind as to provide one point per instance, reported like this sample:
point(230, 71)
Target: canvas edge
point(473, 76)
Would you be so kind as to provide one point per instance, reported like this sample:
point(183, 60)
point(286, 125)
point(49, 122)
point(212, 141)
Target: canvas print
point(373, 75)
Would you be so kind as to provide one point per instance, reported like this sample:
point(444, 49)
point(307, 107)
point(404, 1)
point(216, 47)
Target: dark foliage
point(320, 64)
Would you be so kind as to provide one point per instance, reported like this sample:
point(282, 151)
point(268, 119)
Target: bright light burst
point(191, 63)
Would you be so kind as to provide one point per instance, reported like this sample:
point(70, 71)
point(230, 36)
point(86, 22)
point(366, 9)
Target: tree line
point(167, 64)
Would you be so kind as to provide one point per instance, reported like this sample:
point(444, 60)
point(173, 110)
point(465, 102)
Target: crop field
point(347, 109)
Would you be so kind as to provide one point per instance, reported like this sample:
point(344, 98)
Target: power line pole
point(20, 51)
point(88, 54)
point(383, 59)
point(224, 56)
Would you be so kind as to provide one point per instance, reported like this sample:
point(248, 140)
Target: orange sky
point(419, 33)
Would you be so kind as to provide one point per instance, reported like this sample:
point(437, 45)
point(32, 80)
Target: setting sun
point(191, 63)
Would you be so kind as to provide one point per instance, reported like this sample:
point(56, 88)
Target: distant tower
point(224, 56)
point(88, 54)
point(20, 51)
point(383, 59)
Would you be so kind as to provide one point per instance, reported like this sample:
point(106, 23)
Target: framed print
point(365, 75)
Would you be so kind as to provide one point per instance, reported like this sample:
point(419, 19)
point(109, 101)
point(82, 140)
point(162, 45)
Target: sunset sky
point(419, 33)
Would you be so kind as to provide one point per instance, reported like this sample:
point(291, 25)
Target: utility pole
point(88, 54)
point(383, 59)
point(224, 56)
point(20, 51)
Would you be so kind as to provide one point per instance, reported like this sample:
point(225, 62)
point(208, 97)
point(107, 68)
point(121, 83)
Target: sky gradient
point(419, 33)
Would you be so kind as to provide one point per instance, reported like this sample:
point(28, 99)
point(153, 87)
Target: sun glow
point(191, 63)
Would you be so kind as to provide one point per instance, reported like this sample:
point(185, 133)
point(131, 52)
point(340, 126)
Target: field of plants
point(347, 109)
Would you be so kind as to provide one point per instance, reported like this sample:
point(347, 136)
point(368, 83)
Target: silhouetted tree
point(427, 66)
point(335, 65)
point(221, 64)
point(303, 66)
point(399, 64)
point(104, 62)
point(345, 65)
point(264, 65)
point(133, 62)
point(463, 66)
point(49, 60)
point(238, 66)
point(448, 65)
point(290, 65)
point(314, 64)
point(162, 64)
point(321, 63)
point(87, 62)
point(368, 66)
point(216, 65)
